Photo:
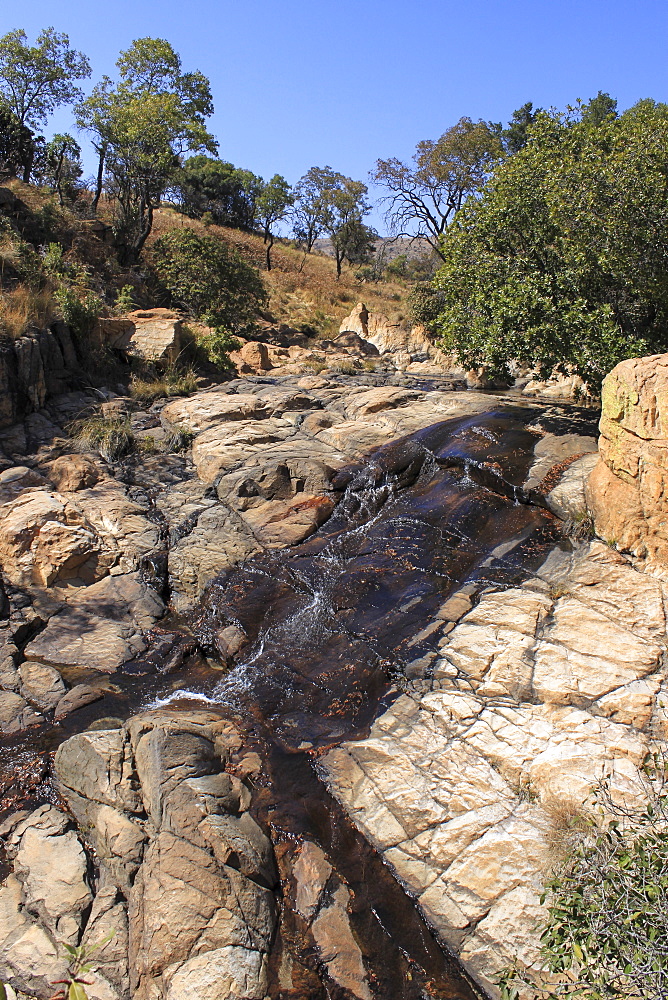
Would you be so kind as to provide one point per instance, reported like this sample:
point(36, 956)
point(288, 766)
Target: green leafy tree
point(34, 80)
point(599, 109)
point(210, 279)
point(227, 193)
point(142, 125)
point(423, 198)
point(344, 204)
point(61, 167)
point(17, 144)
point(516, 135)
point(606, 932)
point(309, 207)
point(273, 203)
point(563, 262)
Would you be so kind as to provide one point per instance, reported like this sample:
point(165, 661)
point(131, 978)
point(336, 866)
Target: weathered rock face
point(405, 347)
point(32, 368)
point(151, 334)
point(468, 783)
point(628, 489)
point(186, 875)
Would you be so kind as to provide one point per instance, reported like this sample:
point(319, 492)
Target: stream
point(335, 630)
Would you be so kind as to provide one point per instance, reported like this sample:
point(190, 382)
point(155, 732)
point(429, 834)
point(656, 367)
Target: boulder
point(628, 490)
point(253, 357)
point(150, 334)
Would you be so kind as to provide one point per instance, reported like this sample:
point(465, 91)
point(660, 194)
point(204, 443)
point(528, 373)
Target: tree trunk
point(27, 167)
point(100, 175)
point(270, 242)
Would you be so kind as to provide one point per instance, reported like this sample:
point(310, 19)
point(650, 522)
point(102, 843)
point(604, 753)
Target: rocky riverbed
point(322, 689)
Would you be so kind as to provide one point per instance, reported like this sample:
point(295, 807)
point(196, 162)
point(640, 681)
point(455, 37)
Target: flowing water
point(333, 628)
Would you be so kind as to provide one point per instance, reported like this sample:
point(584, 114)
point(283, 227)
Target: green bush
point(424, 305)
point(79, 309)
point(112, 438)
point(210, 279)
point(562, 261)
point(606, 934)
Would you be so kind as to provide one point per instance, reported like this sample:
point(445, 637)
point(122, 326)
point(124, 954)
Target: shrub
point(210, 279)
point(79, 309)
point(424, 305)
point(215, 345)
point(125, 300)
point(174, 381)
point(606, 933)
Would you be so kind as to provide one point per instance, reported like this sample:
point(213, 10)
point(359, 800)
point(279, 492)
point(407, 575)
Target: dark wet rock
point(77, 697)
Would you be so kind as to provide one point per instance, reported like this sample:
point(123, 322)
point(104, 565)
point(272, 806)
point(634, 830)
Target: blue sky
point(299, 83)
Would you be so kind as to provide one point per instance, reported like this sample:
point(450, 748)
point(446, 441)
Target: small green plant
point(179, 440)
point(216, 345)
point(344, 368)
point(79, 309)
point(112, 438)
point(125, 302)
point(73, 986)
point(606, 933)
point(316, 366)
point(176, 380)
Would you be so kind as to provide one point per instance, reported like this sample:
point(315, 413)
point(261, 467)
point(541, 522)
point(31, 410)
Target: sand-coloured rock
point(628, 489)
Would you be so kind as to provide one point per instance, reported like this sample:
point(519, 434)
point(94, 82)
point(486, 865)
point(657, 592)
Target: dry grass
point(22, 308)
point(175, 381)
point(303, 290)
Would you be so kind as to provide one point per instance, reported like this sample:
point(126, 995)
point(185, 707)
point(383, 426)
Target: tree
point(142, 125)
point(17, 144)
point(213, 281)
point(273, 202)
point(61, 167)
point(205, 184)
point(423, 198)
point(34, 80)
point(516, 135)
point(599, 108)
point(563, 261)
point(309, 206)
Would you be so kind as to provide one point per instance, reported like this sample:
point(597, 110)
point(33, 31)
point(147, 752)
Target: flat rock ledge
point(165, 868)
point(469, 783)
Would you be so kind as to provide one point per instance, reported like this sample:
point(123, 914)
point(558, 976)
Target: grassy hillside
point(303, 289)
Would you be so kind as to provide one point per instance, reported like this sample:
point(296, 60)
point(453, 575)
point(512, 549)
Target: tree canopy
point(563, 262)
point(423, 198)
point(142, 124)
point(34, 80)
point(205, 184)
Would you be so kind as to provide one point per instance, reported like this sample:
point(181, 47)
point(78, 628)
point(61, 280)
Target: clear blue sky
point(299, 83)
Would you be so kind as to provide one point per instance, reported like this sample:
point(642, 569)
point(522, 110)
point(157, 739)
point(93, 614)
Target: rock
point(15, 480)
point(280, 523)
point(151, 334)
point(557, 387)
point(75, 638)
point(220, 539)
point(32, 368)
point(628, 490)
point(78, 697)
point(41, 685)
point(568, 499)
point(43, 906)
point(70, 473)
point(466, 789)
point(15, 713)
point(252, 357)
point(229, 641)
point(225, 446)
point(199, 872)
point(206, 409)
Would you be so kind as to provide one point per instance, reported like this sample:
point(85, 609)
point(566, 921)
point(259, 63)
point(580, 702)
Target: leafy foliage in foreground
point(607, 928)
point(563, 261)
